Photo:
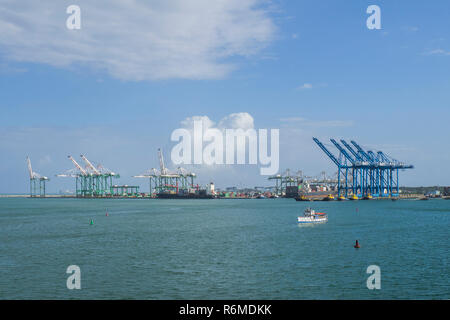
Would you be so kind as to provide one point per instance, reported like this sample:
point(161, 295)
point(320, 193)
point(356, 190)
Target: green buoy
point(92, 221)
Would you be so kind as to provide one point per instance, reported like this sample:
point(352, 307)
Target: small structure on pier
point(124, 191)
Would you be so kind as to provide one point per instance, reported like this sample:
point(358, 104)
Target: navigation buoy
point(92, 221)
point(356, 246)
point(107, 214)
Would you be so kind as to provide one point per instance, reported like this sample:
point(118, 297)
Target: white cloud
point(411, 28)
point(318, 124)
point(332, 123)
point(45, 160)
point(188, 123)
point(6, 69)
point(440, 52)
point(389, 147)
point(137, 40)
point(242, 120)
point(309, 86)
point(292, 119)
point(305, 86)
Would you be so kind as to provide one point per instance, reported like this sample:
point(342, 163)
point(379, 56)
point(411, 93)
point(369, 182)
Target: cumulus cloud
point(241, 120)
point(137, 40)
point(188, 123)
point(242, 145)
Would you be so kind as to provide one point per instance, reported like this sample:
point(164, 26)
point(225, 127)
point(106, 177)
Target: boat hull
point(306, 220)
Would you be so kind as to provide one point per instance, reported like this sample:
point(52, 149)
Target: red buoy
point(356, 246)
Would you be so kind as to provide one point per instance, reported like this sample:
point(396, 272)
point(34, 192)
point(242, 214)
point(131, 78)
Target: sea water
point(222, 249)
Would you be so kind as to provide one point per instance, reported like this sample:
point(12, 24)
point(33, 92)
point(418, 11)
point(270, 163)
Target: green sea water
point(222, 249)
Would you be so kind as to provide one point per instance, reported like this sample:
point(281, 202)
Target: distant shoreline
point(312, 198)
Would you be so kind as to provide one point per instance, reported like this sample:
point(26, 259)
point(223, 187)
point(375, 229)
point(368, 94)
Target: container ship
point(201, 194)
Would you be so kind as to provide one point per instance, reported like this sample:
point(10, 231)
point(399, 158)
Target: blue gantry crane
point(364, 174)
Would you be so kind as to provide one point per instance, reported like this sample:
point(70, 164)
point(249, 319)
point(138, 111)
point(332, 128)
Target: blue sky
point(117, 88)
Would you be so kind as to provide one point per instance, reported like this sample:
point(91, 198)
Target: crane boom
point(161, 162)
point(355, 154)
point(343, 151)
point(89, 164)
point(361, 151)
point(328, 153)
point(34, 175)
point(372, 155)
point(78, 166)
point(30, 170)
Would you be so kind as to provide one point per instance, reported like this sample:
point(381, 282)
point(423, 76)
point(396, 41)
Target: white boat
point(310, 216)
